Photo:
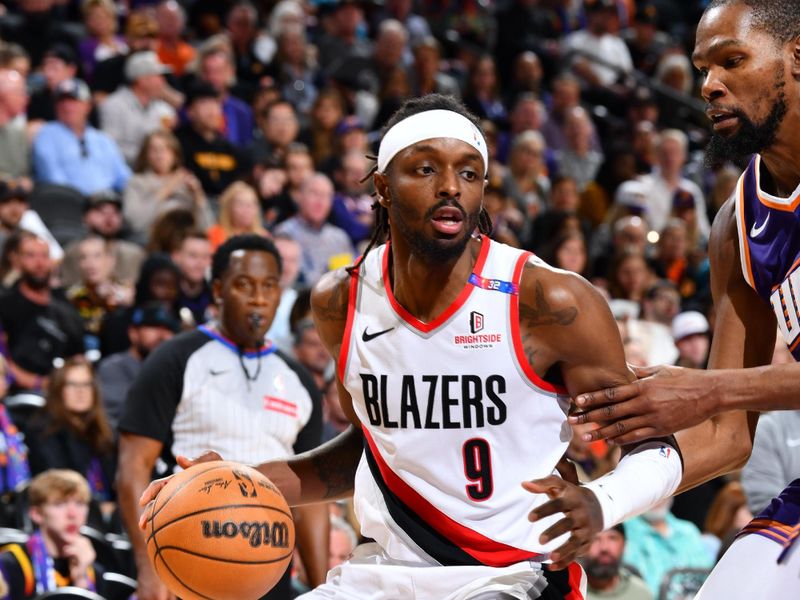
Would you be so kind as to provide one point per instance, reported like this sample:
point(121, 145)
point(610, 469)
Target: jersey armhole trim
point(516, 335)
point(344, 352)
point(741, 227)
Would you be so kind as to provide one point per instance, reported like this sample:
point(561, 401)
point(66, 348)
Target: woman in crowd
point(328, 110)
point(71, 431)
point(161, 183)
point(630, 277)
point(102, 41)
point(483, 91)
point(239, 213)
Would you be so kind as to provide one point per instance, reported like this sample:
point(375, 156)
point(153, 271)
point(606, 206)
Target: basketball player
point(456, 359)
point(748, 52)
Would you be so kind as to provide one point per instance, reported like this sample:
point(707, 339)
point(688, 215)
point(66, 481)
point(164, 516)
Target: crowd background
point(137, 136)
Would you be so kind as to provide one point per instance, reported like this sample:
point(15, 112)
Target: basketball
point(220, 530)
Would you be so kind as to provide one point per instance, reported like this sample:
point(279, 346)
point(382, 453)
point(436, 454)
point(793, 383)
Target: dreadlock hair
point(409, 108)
point(779, 18)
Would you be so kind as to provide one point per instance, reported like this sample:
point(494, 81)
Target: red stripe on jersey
point(450, 310)
point(281, 406)
point(486, 551)
point(341, 365)
point(575, 579)
point(516, 336)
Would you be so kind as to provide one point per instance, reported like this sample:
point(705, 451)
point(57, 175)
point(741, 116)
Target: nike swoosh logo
point(756, 231)
point(366, 337)
point(793, 443)
point(215, 373)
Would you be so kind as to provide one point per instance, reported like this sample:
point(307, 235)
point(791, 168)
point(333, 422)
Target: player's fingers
point(606, 413)
point(185, 463)
point(145, 515)
point(607, 396)
point(567, 552)
point(561, 527)
point(566, 468)
point(642, 372)
point(151, 491)
point(545, 510)
point(640, 431)
point(612, 431)
point(551, 485)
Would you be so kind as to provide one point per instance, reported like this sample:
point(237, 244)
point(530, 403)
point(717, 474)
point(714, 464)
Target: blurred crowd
point(137, 136)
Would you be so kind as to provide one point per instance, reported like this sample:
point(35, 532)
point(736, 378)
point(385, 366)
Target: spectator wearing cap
point(151, 324)
point(99, 291)
point(171, 48)
point(215, 67)
point(38, 324)
point(135, 110)
point(690, 331)
point(606, 576)
point(102, 216)
point(69, 151)
point(667, 178)
point(596, 54)
point(645, 42)
point(59, 64)
point(14, 147)
point(15, 215)
point(211, 157)
point(350, 135)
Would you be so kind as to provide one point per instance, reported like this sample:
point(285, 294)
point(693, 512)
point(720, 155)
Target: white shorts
point(372, 575)
point(750, 569)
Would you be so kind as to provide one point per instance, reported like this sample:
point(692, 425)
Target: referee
point(222, 387)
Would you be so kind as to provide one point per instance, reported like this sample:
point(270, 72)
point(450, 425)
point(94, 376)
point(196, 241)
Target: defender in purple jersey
point(748, 53)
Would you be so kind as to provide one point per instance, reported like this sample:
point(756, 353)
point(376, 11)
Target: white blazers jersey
point(454, 418)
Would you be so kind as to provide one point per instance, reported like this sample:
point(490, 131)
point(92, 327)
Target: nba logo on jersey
point(475, 321)
point(785, 300)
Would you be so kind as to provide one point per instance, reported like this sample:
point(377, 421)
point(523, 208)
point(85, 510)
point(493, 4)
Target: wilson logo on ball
point(257, 533)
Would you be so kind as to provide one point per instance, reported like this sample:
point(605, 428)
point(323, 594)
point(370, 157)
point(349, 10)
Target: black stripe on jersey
point(435, 545)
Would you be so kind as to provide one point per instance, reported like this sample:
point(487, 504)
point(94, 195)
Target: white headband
point(428, 125)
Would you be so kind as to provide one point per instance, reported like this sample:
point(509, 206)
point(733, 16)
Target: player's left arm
point(566, 323)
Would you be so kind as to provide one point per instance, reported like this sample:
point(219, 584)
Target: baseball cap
point(632, 194)
point(154, 314)
point(102, 197)
point(349, 124)
point(689, 323)
point(141, 64)
point(647, 14)
point(11, 191)
point(75, 89)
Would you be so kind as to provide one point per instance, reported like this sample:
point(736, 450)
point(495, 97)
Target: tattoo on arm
point(336, 307)
point(543, 314)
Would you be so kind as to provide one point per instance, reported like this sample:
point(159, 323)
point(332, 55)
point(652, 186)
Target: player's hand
point(583, 517)
point(662, 401)
point(150, 493)
point(150, 587)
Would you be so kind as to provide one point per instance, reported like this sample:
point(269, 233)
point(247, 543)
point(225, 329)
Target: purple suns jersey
point(769, 247)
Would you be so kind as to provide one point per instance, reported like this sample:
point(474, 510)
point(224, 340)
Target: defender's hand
point(662, 401)
point(150, 493)
point(583, 517)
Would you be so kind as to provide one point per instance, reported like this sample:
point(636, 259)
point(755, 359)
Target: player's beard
point(434, 250)
point(752, 137)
